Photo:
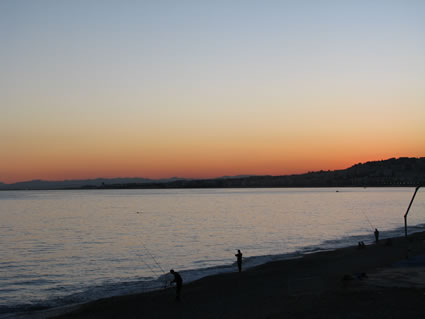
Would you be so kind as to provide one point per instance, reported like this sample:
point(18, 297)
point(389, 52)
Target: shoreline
point(318, 285)
point(413, 185)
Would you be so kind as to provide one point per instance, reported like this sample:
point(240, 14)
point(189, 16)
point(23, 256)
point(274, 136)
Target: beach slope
point(384, 280)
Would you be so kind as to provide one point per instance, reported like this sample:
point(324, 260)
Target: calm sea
point(64, 247)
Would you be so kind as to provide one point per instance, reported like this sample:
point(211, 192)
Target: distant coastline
point(393, 172)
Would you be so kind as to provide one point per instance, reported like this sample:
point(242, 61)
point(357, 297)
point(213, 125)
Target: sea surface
point(64, 247)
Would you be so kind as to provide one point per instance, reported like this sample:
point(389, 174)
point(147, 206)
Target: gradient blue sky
point(207, 88)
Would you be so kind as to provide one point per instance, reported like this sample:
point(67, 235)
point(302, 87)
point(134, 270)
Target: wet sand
point(320, 285)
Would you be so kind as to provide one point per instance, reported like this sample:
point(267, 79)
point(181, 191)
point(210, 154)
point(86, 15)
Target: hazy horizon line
point(193, 178)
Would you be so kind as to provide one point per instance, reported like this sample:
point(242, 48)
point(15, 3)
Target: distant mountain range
point(80, 183)
point(403, 171)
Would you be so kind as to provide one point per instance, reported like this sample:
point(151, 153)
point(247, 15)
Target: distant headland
point(403, 171)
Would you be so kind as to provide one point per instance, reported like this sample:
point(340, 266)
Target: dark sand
point(309, 287)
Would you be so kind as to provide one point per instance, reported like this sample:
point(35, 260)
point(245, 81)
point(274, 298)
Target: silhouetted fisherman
point(376, 232)
point(179, 283)
point(239, 258)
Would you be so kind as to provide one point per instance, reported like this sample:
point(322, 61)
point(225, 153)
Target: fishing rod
point(154, 259)
point(408, 208)
point(156, 262)
point(371, 226)
point(166, 283)
point(152, 256)
point(150, 268)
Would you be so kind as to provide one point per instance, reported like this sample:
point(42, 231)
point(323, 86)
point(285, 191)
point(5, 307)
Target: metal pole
point(405, 215)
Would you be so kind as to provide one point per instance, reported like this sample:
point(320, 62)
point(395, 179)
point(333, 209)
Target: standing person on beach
point(179, 283)
point(239, 259)
point(376, 232)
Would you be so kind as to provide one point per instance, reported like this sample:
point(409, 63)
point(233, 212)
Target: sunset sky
point(207, 88)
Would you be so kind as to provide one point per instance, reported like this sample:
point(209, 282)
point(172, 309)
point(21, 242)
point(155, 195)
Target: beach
point(384, 280)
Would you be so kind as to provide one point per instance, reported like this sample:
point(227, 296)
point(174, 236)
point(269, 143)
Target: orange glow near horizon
point(275, 147)
point(196, 162)
point(193, 152)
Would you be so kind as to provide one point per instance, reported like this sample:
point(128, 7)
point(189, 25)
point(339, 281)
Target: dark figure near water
point(376, 232)
point(239, 258)
point(179, 283)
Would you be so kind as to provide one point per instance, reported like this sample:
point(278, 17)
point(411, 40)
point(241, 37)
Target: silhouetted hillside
point(403, 171)
point(392, 172)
